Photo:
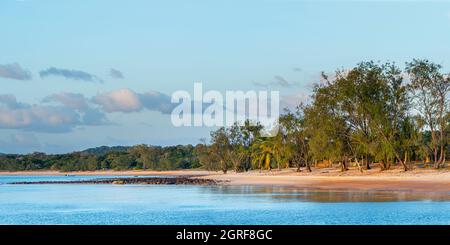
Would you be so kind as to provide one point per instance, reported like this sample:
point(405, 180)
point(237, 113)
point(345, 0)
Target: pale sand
point(419, 180)
point(422, 180)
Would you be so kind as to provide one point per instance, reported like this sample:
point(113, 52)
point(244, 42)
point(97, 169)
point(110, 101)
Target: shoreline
point(106, 173)
point(421, 180)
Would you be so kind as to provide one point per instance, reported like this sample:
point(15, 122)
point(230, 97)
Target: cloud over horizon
point(51, 119)
point(64, 111)
point(69, 74)
point(14, 71)
point(78, 102)
point(126, 100)
point(122, 100)
point(10, 101)
point(72, 111)
point(71, 100)
point(156, 101)
point(20, 143)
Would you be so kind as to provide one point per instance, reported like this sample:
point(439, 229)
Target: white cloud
point(114, 73)
point(122, 100)
point(71, 100)
point(62, 112)
point(156, 101)
point(126, 100)
point(69, 74)
point(10, 101)
point(14, 71)
point(39, 118)
point(73, 112)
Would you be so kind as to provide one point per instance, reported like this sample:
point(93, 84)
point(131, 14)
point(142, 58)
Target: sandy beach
point(420, 180)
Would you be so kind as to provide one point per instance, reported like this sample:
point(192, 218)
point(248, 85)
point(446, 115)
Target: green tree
point(430, 90)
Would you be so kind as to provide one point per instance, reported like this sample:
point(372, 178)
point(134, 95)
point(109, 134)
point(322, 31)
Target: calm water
point(157, 204)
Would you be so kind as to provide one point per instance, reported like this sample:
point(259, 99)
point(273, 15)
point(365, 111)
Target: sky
point(76, 74)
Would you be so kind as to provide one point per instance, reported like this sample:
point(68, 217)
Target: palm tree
point(262, 154)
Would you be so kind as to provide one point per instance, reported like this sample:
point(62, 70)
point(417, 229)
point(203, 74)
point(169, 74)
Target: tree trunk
point(359, 165)
point(406, 158)
point(344, 165)
point(437, 164)
point(405, 167)
point(383, 165)
point(224, 167)
point(308, 167)
point(389, 163)
point(443, 159)
point(442, 156)
point(433, 139)
point(367, 162)
point(395, 152)
point(436, 160)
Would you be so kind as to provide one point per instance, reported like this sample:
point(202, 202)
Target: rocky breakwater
point(190, 180)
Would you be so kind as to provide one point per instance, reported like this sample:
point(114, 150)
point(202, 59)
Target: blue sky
point(59, 93)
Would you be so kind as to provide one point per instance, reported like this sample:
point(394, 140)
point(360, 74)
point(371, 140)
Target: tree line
point(104, 158)
point(374, 113)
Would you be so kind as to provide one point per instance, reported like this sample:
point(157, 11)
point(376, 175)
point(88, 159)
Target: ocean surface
point(182, 204)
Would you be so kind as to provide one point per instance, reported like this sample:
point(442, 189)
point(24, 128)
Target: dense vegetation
point(118, 158)
point(373, 113)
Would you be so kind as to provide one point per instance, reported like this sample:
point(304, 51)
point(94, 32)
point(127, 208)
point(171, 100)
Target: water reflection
point(311, 195)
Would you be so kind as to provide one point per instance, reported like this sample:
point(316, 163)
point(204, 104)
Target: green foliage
point(430, 88)
point(117, 158)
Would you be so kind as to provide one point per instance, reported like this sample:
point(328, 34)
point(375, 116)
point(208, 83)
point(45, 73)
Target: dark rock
point(189, 180)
